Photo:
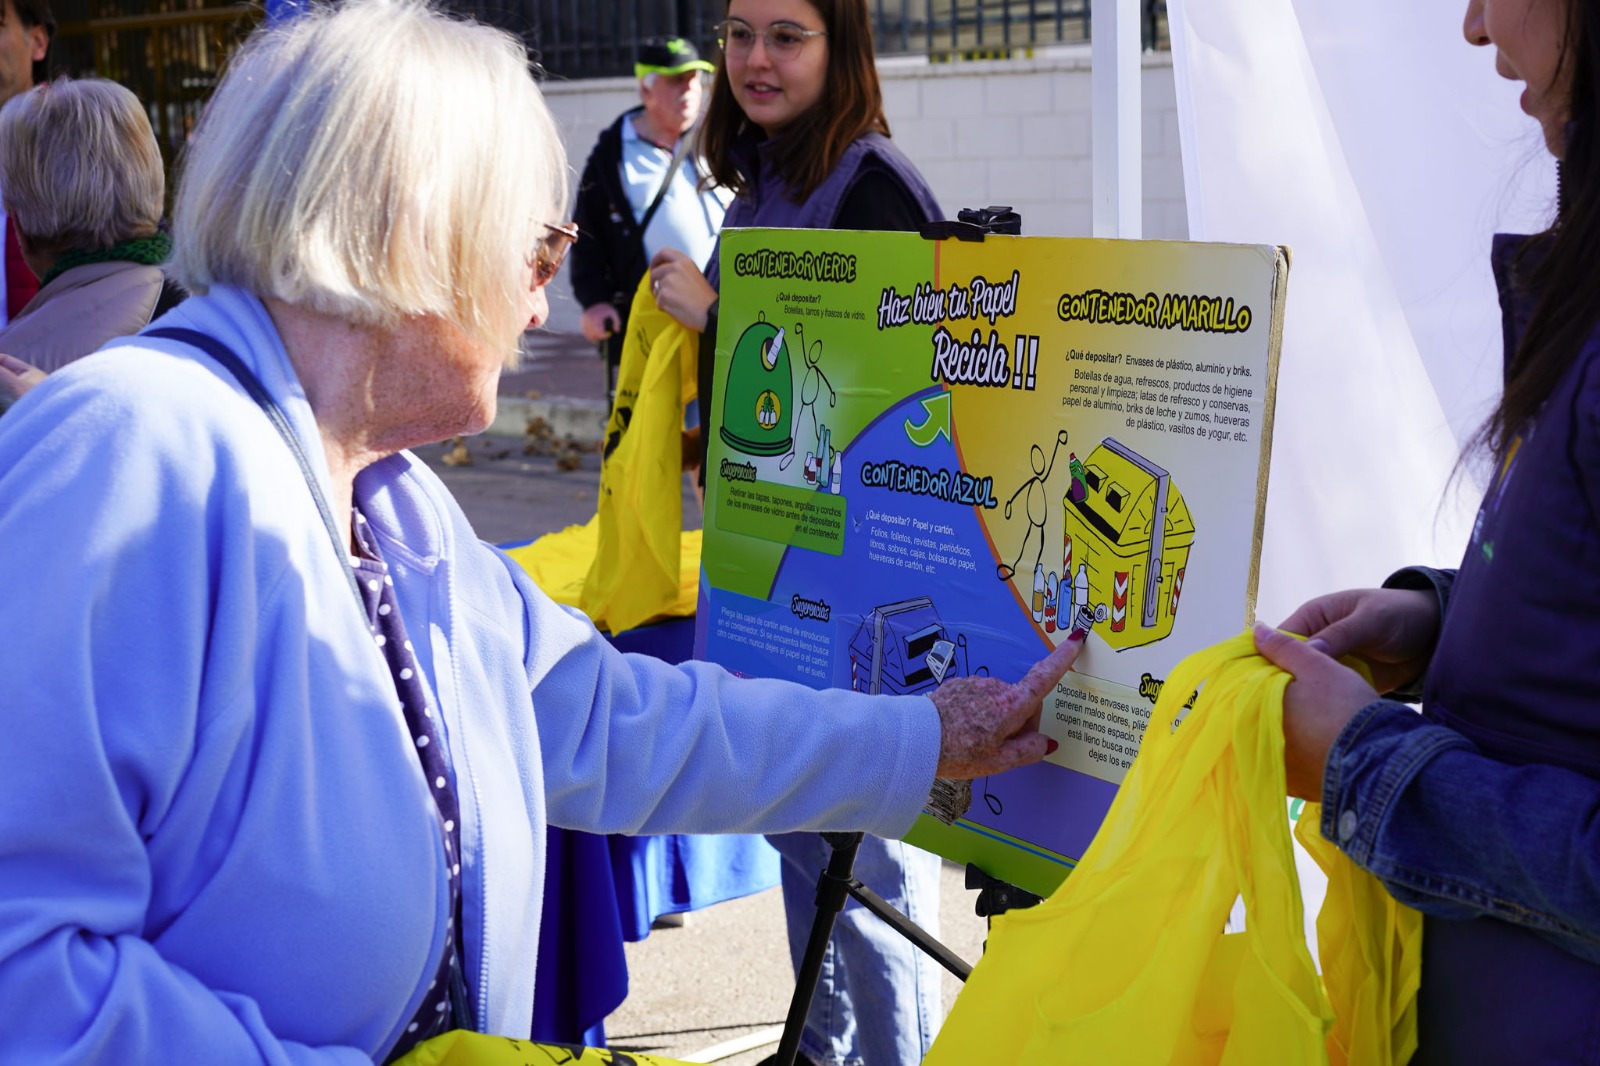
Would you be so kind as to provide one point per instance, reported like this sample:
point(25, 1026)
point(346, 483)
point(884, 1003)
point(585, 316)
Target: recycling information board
point(934, 459)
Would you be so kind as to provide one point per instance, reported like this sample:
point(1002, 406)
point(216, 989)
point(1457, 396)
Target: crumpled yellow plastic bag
point(633, 561)
point(1370, 945)
point(634, 576)
point(461, 1048)
point(1128, 961)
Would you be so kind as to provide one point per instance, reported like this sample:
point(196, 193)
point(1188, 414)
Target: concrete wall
point(1013, 131)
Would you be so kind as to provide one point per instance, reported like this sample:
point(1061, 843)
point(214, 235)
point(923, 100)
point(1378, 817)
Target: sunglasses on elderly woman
point(552, 251)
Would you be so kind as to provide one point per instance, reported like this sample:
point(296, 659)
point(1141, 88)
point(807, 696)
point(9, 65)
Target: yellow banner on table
point(559, 564)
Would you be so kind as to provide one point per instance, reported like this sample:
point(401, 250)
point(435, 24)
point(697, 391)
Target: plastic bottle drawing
point(1038, 592)
point(1052, 598)
point(1080, 590)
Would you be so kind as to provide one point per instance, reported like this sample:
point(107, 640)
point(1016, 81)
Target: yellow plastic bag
point(635, 573)
point(633, 561)
point(461, 1048)
point(1128, 961)
point(1371, 951)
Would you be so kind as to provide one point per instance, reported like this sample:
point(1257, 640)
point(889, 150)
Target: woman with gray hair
point(283, 736)
point(82, 182)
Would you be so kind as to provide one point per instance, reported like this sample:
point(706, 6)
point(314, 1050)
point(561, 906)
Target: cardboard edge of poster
point(1282, 259)
point(1007, 858)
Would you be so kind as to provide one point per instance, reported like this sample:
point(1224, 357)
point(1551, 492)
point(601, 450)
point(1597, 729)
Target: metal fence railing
point(170, 58)
point(575, 39)
point(170, 52)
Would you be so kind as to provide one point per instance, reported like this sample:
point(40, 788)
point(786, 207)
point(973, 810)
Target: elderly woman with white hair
point(282, 735)
point(82, 181)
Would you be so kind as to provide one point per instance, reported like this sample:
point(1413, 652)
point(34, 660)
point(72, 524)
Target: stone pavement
point(725, 974)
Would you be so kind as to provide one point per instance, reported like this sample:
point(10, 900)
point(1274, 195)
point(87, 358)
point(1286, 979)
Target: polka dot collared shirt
point(436, 1014)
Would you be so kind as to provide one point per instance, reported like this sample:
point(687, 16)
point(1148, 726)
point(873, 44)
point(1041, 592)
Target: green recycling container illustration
point(756, 414)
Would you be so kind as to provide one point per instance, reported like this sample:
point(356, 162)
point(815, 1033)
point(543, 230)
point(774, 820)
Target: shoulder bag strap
point(280, 421)
point(679, 150)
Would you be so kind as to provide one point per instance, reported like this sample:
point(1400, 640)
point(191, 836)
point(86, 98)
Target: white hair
point(375, 160)
point(80, 166)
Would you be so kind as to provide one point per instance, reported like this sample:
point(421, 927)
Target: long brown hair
point(1560, 267)
point(805, 151)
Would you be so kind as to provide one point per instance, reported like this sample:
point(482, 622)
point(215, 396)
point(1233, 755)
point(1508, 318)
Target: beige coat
point(80, 310)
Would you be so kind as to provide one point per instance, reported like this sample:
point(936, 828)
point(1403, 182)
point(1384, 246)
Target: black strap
point(679, 150)
point(280, 421)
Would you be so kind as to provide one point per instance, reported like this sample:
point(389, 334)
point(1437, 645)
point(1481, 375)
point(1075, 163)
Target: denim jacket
point(1483, 812)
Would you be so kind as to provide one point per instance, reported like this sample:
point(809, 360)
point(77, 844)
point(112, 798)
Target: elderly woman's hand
point(991, 725)
point(16, 378)
point(680, 289)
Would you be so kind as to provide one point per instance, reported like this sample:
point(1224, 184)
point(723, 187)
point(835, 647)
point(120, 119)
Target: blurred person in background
point(26, 28)
point(642, 191)
point(82, 182)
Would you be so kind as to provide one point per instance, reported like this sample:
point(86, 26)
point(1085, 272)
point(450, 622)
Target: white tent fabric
point(1383, 150)
point(1371, 139)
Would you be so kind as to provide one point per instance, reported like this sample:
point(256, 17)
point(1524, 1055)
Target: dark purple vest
point(766, 202)
point(1517, 671)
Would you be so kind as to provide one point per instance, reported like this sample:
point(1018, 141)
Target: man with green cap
point(640, 192)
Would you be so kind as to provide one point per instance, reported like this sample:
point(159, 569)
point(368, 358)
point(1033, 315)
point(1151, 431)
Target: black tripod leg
point(833, 888)
point(910, 930)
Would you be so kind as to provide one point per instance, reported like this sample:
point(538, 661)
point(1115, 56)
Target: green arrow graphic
point(937, 422)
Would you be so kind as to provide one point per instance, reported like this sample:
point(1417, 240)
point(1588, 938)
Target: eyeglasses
point(551, 251)
point(783, 39)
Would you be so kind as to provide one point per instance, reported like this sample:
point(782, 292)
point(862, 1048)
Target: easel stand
point(839, 883)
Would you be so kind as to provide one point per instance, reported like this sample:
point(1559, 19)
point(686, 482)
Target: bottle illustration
point(1052, 596)
point(824, 468)
point(1080, 591)
point(838, 474)
point(1038, 592)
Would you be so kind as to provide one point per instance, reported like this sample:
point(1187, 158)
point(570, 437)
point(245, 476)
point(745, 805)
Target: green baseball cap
point(668, 55)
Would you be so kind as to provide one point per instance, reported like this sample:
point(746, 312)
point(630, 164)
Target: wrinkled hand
point(989, 725)
point(680, 289)
point(599, 322)
point(16, 378)
point(1324, 695)
point(1392, 630)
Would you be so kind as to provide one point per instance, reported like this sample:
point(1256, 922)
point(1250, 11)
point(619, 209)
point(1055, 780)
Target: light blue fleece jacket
point(216, 843)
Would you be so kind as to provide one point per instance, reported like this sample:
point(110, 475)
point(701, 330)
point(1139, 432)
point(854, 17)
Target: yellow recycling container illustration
point(1126, 534)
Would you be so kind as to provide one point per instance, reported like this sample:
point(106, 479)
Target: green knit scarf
point(150, 251)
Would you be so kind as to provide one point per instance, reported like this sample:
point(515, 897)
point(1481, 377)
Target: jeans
point(878, 997)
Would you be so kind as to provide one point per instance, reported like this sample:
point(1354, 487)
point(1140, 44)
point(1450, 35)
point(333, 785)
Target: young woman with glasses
point(795, 128)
